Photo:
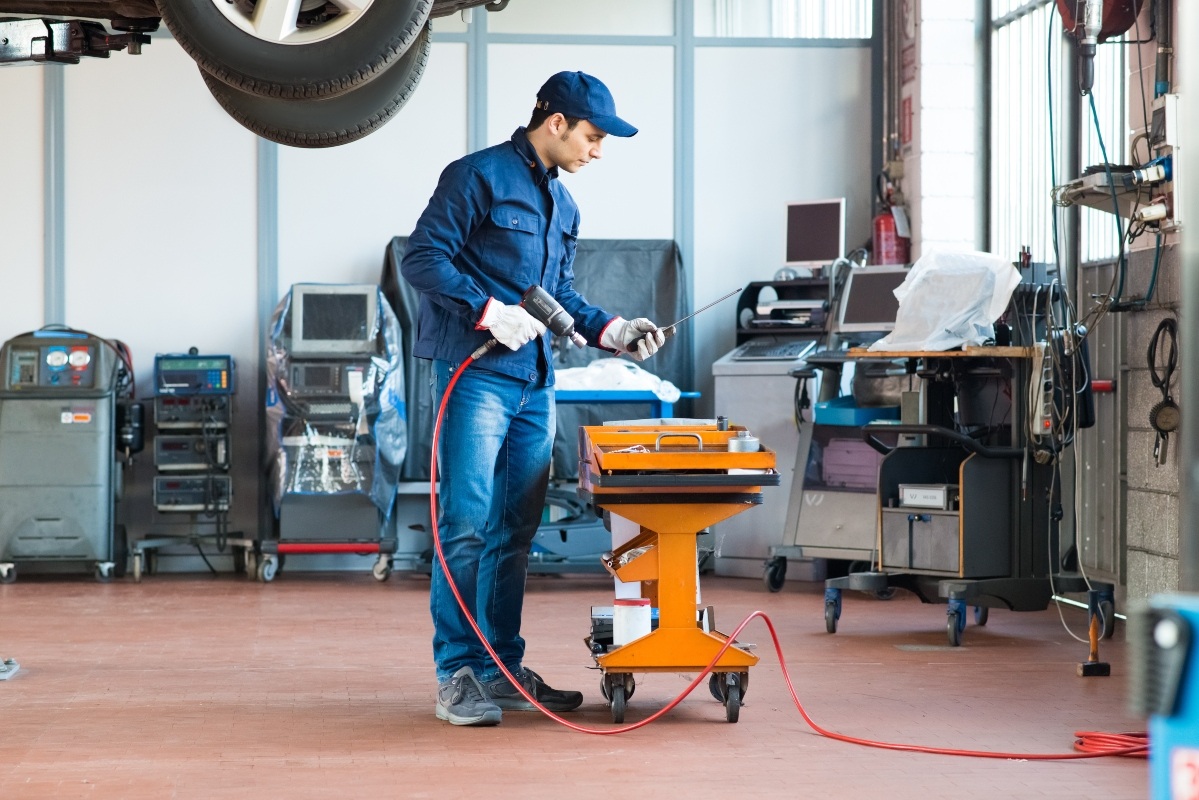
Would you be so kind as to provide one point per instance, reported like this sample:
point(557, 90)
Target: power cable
point(1087, 744)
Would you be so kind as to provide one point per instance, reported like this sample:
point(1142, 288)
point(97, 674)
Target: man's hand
point(640, 338)
point(512, 326)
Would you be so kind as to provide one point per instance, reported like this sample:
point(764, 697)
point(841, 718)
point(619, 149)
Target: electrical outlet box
point(1163, 125)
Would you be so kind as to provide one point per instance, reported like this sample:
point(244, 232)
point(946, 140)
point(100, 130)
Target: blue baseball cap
point(577, 94)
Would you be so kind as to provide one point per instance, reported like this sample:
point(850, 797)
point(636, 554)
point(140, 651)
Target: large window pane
point(1025, 53)
point(1028, 147)
point(1100, 233)
point(784, 19)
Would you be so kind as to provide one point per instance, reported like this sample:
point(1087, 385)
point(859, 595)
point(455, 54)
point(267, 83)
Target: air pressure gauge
point(1165, 416)
point(56, 359)
point(80, 358)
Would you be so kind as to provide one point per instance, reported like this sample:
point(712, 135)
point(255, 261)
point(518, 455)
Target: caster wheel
point(953, 628)
point(381, 570)
point(732, 703)
point(613, 679)
point(830, 617)
point(716, 686)
point(266, 569)
point(619, 701)
point(8, 574)
point(885, 594)
point(1107, 619)
point(104, 572)
point(981, 615)
point(776, 574)
point(151, 562)
point(137, 567)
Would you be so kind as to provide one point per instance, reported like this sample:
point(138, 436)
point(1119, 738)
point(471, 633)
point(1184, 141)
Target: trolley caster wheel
point(885, 594)
point(239, 560)
point(719, 682)
point(1107, 619)
point(732, 703)
point(151, 562)
point(830, 617)
point(104, 570)
point(716, 686)
point(381, 570)
point(953, 627)
point(251, 563)
point(981, 615)
point(8, 573)
point(619, 702)
point(266, 569)
point(624, 679)
point(776, 573)
point(137, 567)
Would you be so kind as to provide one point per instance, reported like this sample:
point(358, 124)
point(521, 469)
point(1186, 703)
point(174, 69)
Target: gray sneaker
point(505, 695)
point(462, 701)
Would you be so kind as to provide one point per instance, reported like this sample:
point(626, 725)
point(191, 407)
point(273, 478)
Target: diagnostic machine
point(64, 420)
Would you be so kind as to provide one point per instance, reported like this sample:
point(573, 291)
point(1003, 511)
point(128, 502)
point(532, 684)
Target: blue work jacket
point(498, 223)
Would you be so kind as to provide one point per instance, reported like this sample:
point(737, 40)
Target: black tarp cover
point(629, 277)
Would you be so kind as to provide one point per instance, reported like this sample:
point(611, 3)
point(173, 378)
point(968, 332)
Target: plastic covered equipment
point(948, 300)
point(336, 419)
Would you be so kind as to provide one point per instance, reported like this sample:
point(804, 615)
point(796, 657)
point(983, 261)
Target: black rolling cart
point(969, 515)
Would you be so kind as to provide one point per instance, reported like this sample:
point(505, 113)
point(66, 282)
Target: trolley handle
point(689, 434)
point(974, 446)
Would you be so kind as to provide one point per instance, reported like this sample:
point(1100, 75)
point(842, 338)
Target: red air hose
point(1088, 745)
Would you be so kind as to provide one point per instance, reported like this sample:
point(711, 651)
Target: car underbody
point(313, 73)
point(117, 10)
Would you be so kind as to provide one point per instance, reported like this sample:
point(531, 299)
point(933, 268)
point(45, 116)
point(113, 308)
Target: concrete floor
point(321, 685)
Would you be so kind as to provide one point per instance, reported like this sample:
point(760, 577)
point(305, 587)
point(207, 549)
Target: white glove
point(512, 326)
point(640, 338)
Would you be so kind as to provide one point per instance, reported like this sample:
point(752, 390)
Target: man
point(498, 223)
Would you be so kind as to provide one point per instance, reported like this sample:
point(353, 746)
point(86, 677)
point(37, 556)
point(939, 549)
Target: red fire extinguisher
point(887, 246)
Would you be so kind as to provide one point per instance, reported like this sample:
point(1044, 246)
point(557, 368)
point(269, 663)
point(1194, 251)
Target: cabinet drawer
point(919, 540)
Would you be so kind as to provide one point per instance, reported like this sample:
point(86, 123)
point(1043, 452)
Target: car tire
point(328, 121)
point(321, 60)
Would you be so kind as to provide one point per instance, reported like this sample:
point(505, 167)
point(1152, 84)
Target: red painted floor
point(322, 686)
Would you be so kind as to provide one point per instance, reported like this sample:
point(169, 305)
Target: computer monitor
point(868, 303)
point(815, 232)
point(333, 319)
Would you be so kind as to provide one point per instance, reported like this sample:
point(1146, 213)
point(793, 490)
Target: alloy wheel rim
point(284, 21)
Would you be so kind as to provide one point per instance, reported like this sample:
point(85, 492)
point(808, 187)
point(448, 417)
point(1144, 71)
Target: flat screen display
point(868, 303)
point(815, 232)
point(332, 320)
point(334, 316)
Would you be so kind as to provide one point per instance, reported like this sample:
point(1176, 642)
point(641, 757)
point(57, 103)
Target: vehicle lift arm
point(66, 41)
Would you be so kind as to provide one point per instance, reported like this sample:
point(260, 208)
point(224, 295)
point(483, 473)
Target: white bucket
point(630, 619)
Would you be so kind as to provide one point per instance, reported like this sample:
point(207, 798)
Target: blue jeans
point(495, 443)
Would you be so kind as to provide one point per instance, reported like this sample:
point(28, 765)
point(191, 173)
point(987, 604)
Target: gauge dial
point(56, 359)
point(1165, 417)
point(80, 358)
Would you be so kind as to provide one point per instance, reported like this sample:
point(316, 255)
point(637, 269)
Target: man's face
point(575, 147)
